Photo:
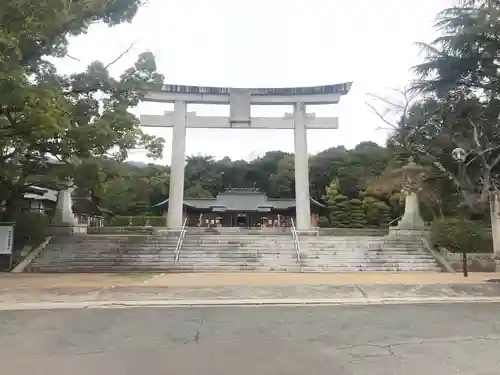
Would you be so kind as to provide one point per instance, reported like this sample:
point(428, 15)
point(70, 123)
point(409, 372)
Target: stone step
point(323, 263)
point(113, 250)
point(97, 258)
point(370, 246)
point(229, 243)
point(89, 239)
point(342, 257)
point(400, 269)
point(110, 249)
point(221, 267)
point(370, 264)
point(194, 254)
point(227, 252)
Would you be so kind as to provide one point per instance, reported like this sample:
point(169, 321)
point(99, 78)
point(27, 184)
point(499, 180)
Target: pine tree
point(465, 57)
point(338, 205)
point(357, 214)
point(378, 213)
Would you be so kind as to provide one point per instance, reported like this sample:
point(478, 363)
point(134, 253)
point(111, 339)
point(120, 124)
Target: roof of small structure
point(80, 205)
point(42, 194)
point(241, 199)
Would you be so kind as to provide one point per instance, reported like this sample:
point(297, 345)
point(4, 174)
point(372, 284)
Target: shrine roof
point(240, 199)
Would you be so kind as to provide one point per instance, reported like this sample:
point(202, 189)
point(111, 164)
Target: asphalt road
point(406, 339)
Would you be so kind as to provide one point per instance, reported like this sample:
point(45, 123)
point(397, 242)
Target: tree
point(50, 123)
point(357, 213)
point(354, 169)
point(377, 212)
point(324, 168)
point(338, 206)
point(129, 189)
point(282, 183)
point(198, 191)
point(461, 80)
point(202, 172)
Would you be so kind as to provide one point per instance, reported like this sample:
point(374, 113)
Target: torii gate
point(240, 101)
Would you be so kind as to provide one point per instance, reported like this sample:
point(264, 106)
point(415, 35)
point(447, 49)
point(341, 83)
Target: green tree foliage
point(30, 228)
point(377, 212)
point(338, 206)
point(357, 214)
point(134, 190)
point(198, 191)
point(458, 235)
point(354, 169)
point(460, 81)
point(46, 117)
point(282, 182)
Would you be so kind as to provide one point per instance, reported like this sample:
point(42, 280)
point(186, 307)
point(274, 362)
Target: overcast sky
point(270, 43)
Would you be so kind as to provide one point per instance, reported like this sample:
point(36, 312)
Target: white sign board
point(6, 239)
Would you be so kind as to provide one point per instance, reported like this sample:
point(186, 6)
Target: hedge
point(138, 221)
point(30, 228)
point(323, 222)
point(458, 235)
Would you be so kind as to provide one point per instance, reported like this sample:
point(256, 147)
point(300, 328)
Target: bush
point(357, 214)
point(377, 212)
point(458, 235)
point(138, 221)
point(323, 222)
point(30, 228)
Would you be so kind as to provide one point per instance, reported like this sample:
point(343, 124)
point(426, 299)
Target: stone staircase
point(350, 254)
point(231, 252)
point(107, 253)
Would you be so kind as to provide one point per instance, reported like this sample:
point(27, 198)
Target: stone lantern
point(413, 175)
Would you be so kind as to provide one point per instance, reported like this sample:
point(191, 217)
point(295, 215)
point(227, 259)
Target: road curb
point(242, 302)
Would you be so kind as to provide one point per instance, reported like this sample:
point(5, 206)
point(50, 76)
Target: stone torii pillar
point(176, 192)
point(302, 195)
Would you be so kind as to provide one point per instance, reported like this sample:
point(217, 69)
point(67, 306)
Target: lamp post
point(459, 155)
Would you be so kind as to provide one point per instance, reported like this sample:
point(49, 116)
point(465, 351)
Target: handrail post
point(180, 241)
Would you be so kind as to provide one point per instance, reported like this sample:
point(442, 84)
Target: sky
point(270, 43)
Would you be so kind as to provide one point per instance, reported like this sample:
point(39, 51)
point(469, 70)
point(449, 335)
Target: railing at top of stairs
point(295, 238)
point(180, 241)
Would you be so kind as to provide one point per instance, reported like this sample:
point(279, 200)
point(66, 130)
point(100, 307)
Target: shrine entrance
point(240, 101)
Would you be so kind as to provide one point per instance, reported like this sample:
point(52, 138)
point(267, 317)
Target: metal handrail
point(180, 241)
point(396, 219)
point(295, 238)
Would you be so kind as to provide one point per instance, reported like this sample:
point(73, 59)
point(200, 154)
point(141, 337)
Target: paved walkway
point(203, 280)
point(31, 290)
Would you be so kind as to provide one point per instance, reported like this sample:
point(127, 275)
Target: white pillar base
point(63, 215)
point(495, 221)
point(411, 218)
